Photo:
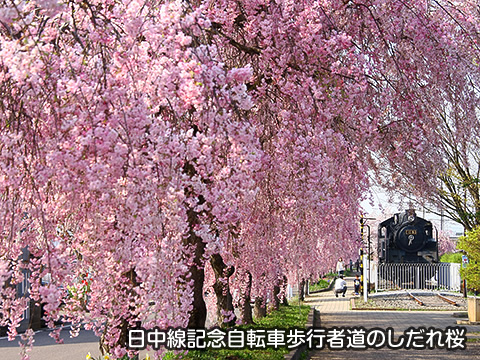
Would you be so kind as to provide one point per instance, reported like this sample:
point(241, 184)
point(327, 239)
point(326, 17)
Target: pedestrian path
point(336, 312)
point(326, 302)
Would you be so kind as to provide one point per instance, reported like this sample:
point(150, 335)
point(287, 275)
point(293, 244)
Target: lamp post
point(366, 284)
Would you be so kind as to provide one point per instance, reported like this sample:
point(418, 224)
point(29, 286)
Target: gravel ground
point(403, 301)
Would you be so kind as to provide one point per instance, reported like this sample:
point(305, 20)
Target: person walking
point(340, 286)
point(340, 267)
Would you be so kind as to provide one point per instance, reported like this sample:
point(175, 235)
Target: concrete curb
point(312, 321)
point(352, 304)
point(467, 322)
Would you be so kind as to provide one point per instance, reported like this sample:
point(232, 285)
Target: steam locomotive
point(406, 238)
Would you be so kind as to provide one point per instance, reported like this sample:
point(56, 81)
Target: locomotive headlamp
point(411, 218)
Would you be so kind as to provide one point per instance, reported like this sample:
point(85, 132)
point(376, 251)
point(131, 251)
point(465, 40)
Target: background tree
point(432, 69)
point(470, 244)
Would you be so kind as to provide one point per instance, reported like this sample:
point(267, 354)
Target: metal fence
point(439, 276)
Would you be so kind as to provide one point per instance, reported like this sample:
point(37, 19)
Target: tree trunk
point(198, 314)
point(225, 310)
point(122, 339)
point(125, 321)
point(276, 299)
point(285, 289)
point(260, 309)
point(246, 306)
point(301, 290)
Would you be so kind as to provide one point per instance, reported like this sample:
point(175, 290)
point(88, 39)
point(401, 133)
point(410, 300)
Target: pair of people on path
point(341, 286)
point(340, 283)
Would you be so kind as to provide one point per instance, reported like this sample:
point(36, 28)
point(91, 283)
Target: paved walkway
point(335, 312)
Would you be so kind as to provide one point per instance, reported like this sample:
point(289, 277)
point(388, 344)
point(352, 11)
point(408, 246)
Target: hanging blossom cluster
point(117, 120)
point(307, 206)
point(140, 140)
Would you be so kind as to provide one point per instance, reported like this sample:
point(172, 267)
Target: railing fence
point(438, 276)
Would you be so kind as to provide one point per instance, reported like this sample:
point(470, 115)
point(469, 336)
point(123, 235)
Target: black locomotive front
point(406, 238)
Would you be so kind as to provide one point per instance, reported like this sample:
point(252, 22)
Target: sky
point(382, 203)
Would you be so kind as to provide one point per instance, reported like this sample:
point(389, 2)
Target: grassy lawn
point(475, 339)
point(327, 279)
point(319, 285)
point(286, 317)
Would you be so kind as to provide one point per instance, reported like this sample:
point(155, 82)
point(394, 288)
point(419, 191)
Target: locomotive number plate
point(410, 232)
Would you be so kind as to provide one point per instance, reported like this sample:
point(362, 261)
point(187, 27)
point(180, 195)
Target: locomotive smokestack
point(410, 210)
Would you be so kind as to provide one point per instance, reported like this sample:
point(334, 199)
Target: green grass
point(319, 285)
point(451, 258)
point(327, 280)
point(351, 273)
point(286, 317)
point(347, 272)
